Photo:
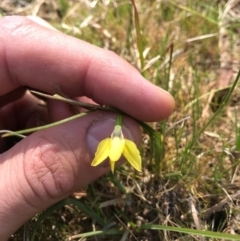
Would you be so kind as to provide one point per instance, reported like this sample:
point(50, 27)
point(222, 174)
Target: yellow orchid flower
point(116, 146)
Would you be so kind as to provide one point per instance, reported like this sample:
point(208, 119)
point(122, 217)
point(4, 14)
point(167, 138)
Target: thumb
point(49, 165)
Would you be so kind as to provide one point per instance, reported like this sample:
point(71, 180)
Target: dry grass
point(181, 187)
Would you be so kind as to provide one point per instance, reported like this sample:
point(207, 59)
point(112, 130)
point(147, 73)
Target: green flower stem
point(119, 120)
point(74, 102)
point(43, 127)
point(12, 132)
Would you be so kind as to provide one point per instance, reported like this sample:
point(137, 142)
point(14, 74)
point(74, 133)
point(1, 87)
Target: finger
point(59, 110)
point(51, 164)
point(28, 111)
point(44, 59)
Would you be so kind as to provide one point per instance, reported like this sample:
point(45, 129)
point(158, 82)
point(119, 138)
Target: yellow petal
point(132, 154)
point(112, 165)
point(102, 152)
point(116, 149)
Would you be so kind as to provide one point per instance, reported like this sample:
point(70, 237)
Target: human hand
point(50, 164)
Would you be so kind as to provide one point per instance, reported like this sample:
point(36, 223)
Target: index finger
point(34, 56)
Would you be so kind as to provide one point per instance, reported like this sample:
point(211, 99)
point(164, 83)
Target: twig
point(195, 216)
point(219, 206)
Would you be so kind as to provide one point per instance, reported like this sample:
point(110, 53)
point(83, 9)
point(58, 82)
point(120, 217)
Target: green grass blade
point(117, 183)
point(224, 102)
point(156, 146)
point(87, 210)
point(237, 131)
point(84, 208)
point(45, 214)
point(138, 34)
point(180, 6)
point(96, 233)
point(192, 231)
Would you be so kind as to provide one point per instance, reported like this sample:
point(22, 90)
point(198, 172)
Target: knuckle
point(10, 24)
point(48, 169)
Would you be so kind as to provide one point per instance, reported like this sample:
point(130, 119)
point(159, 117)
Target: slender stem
point(74, 102)
point(12, 133)
point(119, 120)
point(44, 127)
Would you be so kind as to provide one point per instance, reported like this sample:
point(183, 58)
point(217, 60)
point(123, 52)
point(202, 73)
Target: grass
point(175, 45)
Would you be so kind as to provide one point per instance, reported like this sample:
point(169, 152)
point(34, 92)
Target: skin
point(50, 164)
